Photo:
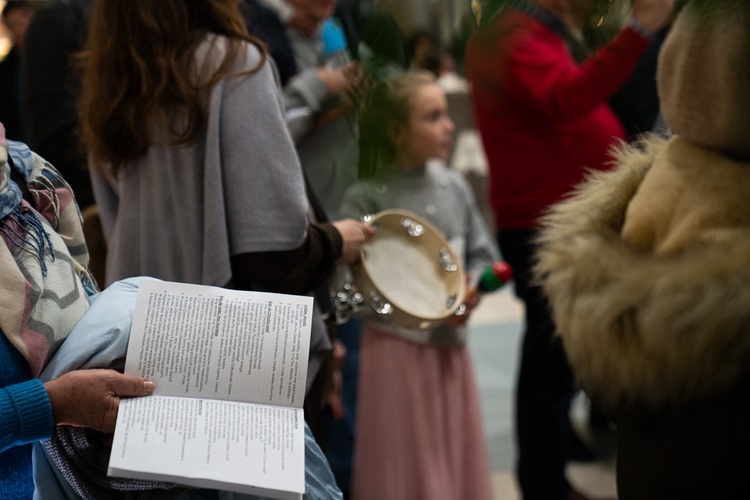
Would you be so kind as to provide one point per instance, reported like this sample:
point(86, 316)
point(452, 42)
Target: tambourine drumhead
point(409, 265)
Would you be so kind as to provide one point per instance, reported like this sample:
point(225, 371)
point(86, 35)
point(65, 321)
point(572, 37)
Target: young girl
point(419, 429)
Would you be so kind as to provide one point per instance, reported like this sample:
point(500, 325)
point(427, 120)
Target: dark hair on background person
point(12, 5)
point(139, 65)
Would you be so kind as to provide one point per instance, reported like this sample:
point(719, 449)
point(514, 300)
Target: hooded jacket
point(647, 269)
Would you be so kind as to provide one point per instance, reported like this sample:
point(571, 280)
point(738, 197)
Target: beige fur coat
point(647, 269)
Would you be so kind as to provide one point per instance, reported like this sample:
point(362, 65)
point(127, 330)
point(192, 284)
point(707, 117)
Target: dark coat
point(56, 32)
point(698, 451)
point(10, 96)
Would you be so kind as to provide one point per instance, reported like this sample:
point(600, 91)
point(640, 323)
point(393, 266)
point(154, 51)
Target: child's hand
point(471, 301)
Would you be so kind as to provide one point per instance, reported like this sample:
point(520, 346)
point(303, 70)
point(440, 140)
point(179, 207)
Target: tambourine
point(407, 273)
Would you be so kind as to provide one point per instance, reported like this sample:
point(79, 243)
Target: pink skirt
point(419, 425)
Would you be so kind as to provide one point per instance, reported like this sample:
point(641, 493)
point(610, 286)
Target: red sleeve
point(541, 74)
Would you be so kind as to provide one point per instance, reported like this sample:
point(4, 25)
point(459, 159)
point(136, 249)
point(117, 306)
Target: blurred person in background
point(321, 113)
point(362, 21)
point(320, 95)
point(50, 90)
point(418, 46)
point(544, 120)
point(16, 16)
point(267, 24)
point(647, 268)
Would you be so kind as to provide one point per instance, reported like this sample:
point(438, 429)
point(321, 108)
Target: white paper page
point(210, 342)
point(209, 443)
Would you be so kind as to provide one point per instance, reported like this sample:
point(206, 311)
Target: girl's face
point(428, 132)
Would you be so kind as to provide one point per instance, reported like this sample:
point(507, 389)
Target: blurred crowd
point(245, 143)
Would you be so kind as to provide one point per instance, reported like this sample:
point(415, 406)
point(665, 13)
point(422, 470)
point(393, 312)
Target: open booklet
point(230, 369)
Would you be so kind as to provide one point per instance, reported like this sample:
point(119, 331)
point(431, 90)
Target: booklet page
point(210, 342)
point(203, 442)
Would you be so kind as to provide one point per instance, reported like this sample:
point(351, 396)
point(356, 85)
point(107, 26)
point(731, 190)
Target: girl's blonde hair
point(139, 70)
point(385, 103)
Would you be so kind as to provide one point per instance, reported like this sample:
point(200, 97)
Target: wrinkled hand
point(354, 235)
point(653, 14)
point(90, 398)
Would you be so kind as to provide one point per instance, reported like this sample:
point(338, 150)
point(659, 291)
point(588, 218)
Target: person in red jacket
point(544, 120)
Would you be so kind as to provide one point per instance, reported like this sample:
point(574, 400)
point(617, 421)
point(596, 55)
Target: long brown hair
point(138, 70)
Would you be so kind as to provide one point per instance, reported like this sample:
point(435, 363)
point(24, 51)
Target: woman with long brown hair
point(141, 64)
point(195, 174)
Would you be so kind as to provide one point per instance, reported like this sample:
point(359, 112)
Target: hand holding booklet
point(229, 368)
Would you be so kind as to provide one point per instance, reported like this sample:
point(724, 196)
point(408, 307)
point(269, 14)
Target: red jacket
point(543, 119)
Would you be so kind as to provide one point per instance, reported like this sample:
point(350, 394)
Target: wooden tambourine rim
point(363, 276)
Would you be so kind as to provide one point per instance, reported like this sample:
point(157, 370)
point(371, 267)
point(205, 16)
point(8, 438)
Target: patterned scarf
point(44, 248)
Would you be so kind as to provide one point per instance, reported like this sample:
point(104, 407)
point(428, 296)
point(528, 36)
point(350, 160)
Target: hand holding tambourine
point(407, 272)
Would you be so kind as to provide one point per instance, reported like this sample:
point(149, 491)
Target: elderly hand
point(90, 398)
point(354, 235)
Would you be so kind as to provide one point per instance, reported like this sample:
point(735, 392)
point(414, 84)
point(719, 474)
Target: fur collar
point(643, 326)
